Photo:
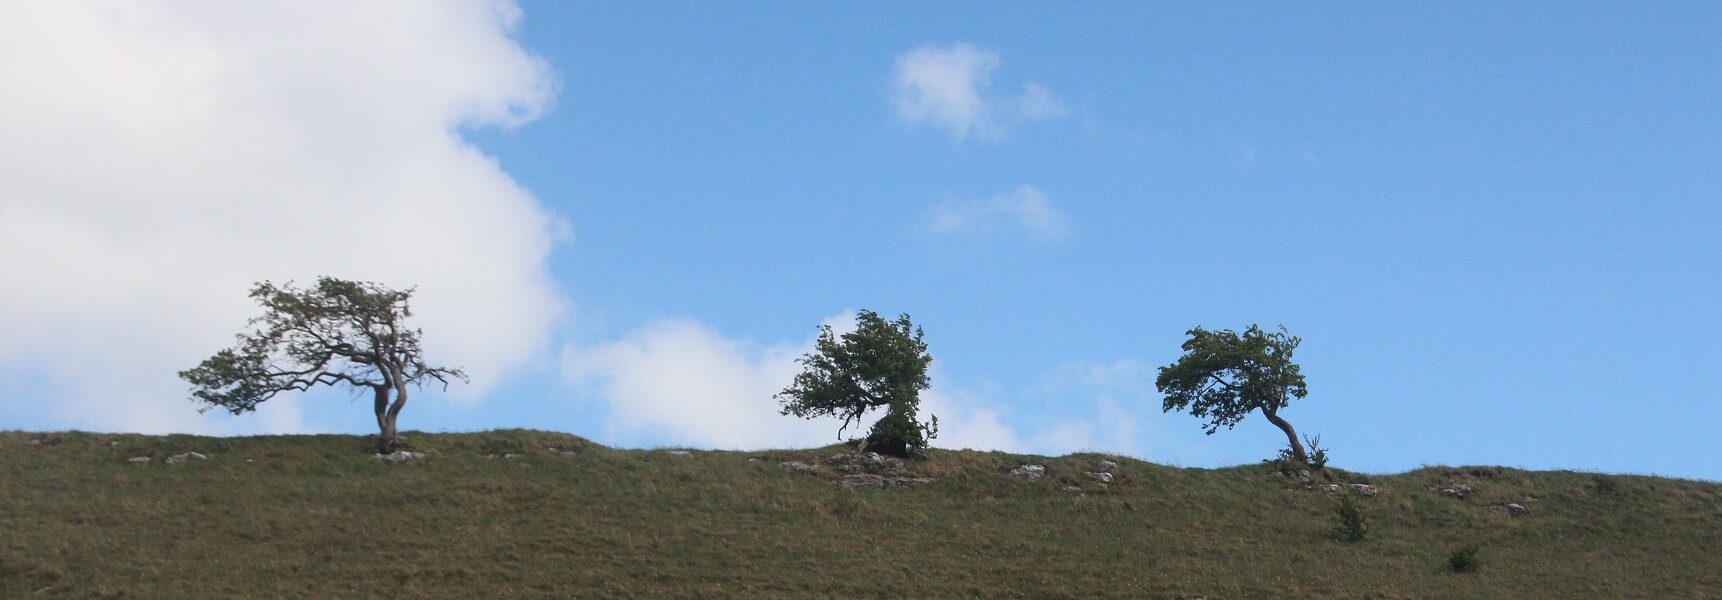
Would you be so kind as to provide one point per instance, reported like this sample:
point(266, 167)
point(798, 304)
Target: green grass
point(317, 517)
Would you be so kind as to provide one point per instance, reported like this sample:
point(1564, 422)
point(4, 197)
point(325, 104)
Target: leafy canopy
point(882, 364)
point(1223, 376)
point(336, 332)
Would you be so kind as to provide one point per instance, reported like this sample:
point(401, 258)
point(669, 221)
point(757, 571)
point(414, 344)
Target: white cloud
point(948, 87)
point(1024, 209)
point(156, 159)
point(680, 382)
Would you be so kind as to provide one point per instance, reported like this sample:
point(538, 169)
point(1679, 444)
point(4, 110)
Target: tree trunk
point(391, 436)
point(387, 440)
point(1291, 434)
point(385, 425)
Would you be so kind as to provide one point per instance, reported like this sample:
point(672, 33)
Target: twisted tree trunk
point(1291, 434)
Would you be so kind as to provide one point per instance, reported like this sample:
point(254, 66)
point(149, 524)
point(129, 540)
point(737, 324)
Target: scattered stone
point(869, 481)
point(796, 466)
point(1365, 489)
point(1303, 477)
point(1331, 488)
point(1103, 478)
point(1072, 489)
point(250, 460)
point(1029, 472)
point(399, 456)
point(678, 453)
point(138, 460)
point(510, 456)
point(179, 458)
point(1511, 510)
point(870, 462)
point(751, 459)
point(1102, 466)
point(1457, 490)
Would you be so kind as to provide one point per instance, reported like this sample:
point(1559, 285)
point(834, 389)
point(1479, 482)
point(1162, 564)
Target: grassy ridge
point(317, 517)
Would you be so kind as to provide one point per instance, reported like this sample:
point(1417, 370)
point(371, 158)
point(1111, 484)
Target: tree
point(1224, 376)
point(882, 364)
point(339, 332)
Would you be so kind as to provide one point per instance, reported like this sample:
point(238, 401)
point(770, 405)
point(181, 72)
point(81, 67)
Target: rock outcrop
point(1029, 472)
point(1512, 510)
point(867, 462)
point(796, 466)
point(1455, 490)
point(399, 456)
point(180, 458)
point(869, 481)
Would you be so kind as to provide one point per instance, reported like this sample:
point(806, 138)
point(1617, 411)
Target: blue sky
point(1495, 227)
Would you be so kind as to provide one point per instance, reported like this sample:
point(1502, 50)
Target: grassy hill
point(319, 517)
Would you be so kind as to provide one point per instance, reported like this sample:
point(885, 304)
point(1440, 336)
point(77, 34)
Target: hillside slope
point(319, 517)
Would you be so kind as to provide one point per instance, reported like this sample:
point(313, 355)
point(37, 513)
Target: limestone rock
point(1029, 472)
point(869, 481)
point(1511, 510)
point(1303, 477)
point(1364, 489)
point(399, 456)
point(678, 453)
point(1071, 489)
point(1331, 488)
point(1102, 477)
point(179, 458)
point(138, 460)
point(796, 466)
point(868, 462)
point(1102, 466)
point(1456, 490)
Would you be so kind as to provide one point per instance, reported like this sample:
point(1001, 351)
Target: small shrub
point(1283, 463)
point(1352, 527)
point(1463, 560)
point(1317, 454)
point(1604, 485)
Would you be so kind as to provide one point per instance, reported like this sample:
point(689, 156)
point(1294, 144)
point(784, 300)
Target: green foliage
point(338, 332)
point(882, 364)
point(1463, 560)
point(1604, 484)
point(1224, 376)
point(1317, 454)
point(1352, 526)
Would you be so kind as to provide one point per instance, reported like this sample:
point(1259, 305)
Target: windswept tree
point(882, 364)
point(336, 333)
point(1224, 377)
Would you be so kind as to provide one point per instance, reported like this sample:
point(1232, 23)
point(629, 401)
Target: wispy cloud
point(1025, 209)
point(948, 87)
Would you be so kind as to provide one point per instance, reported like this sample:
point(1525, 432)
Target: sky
point(1494, 227)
